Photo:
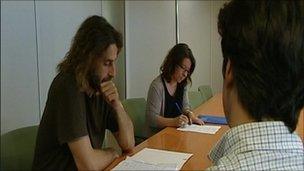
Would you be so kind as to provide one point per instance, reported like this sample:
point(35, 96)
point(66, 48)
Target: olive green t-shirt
point(68, 115)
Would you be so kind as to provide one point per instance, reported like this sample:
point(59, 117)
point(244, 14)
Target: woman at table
point(167, 101)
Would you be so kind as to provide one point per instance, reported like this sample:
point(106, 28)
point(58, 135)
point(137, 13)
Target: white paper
point(153, 159)
point(208, 129)
point(130, 164)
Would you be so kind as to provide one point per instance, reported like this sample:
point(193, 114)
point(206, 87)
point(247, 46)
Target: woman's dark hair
point(92, 39)
point(264, 41)
point(174, 58)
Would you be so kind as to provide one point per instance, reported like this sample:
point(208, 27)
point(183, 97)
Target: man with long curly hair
point(82, 103)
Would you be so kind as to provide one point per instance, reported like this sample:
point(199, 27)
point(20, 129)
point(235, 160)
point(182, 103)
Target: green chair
point(17, 148)
point(110, 141)
point(195, 99)
point(136, 108)
point(206, 91)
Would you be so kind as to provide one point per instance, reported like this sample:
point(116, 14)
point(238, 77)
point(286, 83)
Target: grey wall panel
point(113, 11)
point(57, 22)
point(216, 51)
point(195, 30)
point(19, 83)
point(150, 33)
point(198, 28)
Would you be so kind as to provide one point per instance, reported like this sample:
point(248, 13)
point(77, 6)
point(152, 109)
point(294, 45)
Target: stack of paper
point(208, 129)
point(153, 159)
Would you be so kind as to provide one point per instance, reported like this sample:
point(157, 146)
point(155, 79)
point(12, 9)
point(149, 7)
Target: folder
point(213, 119)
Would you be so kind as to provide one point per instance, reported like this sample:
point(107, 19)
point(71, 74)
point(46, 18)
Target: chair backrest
point(17, 148)
point(136, 108)
point(110, 141)
point(206, 91)
point(195, 99)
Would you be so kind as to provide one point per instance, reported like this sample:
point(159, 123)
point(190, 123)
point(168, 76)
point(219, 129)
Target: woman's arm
point(154, 104)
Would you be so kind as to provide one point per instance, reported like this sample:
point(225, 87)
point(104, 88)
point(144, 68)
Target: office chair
point(195, 99)
point(17, 148)
point(136, 108)
point(206, 91)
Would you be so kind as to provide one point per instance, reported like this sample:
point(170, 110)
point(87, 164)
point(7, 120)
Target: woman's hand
point(181, 121)
point(193, 118)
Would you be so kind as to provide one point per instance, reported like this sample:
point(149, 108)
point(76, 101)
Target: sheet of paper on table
point(208, 129)
point(154, 159)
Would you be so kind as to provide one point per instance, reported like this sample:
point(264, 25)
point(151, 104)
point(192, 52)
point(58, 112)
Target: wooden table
point(189, 142)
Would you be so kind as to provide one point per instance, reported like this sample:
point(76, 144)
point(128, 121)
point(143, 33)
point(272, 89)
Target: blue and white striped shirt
point(258, 146)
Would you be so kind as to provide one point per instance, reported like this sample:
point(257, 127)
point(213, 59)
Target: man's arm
point(87, 158)
point(125, 134)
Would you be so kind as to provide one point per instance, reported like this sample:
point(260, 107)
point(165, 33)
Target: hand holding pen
point(190, 116)
point(183, 119)
point(193, 118)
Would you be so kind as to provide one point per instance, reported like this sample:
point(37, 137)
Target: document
point(207, 129)
point(130, 164)
point(154, 159)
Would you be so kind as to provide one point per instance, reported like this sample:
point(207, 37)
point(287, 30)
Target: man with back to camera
point(82, 103)
point(263, 90)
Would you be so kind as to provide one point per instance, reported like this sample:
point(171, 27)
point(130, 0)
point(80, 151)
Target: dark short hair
point(92, 39)
point(174, 58)
point(264, 40)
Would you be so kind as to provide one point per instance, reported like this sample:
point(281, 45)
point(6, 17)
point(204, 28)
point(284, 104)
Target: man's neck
point(238, 115)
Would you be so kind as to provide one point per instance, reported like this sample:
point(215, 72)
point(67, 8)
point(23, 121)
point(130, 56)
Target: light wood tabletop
point(214, 106)
point(190, 142)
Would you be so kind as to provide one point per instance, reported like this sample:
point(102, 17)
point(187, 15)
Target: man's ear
point(228, 75)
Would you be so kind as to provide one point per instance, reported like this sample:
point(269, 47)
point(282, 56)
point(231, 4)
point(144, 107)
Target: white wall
point(198, 28)
point(57, 23)
point(30, 53)
point(150, 33)
point(114, 12)
point(19, 82)
point(194, 29)
point(216, 51)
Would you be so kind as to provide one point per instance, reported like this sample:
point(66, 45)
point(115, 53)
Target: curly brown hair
point(92, 39)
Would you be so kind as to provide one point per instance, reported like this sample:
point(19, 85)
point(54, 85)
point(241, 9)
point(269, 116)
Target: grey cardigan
point(156, 101)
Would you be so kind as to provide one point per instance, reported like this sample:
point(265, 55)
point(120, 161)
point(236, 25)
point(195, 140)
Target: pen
point(180, 110)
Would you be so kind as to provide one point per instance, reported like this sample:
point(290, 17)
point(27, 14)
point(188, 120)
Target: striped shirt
point(258, 146)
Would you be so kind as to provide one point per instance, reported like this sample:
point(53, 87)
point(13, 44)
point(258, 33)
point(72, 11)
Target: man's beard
point(109, 78)
point(95, 80)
